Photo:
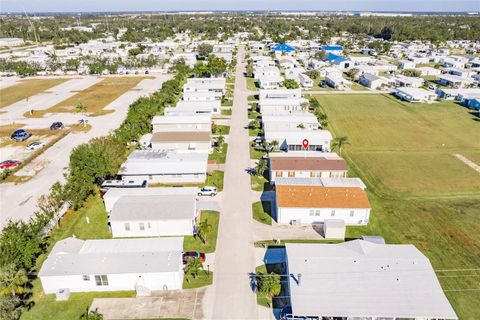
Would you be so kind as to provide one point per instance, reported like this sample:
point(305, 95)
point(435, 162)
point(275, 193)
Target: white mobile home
point(372, 81)
point(114, 194)
point(283, 106)
point(266, 72)
point(415, 94)
point(204, 85)
point(194, 141)
point(270, 82)
point(411, 82)
point(213, 107)
point(181, 123)
point(301, 204)
point(153, 216)
point(157, 166)
point(280, 94)
point(202, 96)
point(319, 140)
point(363, 280)
point(142, 264)
point(305, 81)
point(281, 122)
point(306, 165)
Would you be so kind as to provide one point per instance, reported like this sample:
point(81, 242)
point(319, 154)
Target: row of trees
point(21, 243)
point(215, 66)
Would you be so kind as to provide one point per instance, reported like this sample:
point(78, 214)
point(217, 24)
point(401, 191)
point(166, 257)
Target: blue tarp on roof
point(332, 48)
point(336, 59)
point(283, 47)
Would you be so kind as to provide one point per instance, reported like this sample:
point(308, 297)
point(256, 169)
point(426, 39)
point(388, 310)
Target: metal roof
point(363, 279)
point(113, 256)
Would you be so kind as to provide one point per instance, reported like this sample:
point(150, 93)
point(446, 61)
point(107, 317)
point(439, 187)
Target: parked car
point(56, 126)
point(35, 145)
point(9, 164)
point(208, 191)
point(193, 254)
point(431, 87)
point(20, 135)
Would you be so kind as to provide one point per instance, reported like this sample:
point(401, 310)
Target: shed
point(334, 229)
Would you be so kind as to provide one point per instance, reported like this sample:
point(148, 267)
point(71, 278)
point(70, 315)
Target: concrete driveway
point(180, 304)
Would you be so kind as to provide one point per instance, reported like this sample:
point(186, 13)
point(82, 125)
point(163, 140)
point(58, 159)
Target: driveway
point(181, 304)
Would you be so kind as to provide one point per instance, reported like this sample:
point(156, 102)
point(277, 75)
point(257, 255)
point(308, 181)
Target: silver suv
point(208, 191)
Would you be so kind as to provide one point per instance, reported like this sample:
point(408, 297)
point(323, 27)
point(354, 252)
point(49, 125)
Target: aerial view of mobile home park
point(240, 162)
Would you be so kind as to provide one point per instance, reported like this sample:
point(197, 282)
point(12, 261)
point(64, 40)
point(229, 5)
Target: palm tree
point(219, 142)
point(339, 142)
point(82, 108)
point(261, 167)
point(91, 315)
point(12, 281)
point(254, 124)
point(274, 144)
point(203, 230)
point(269, 284)
point(193, 268)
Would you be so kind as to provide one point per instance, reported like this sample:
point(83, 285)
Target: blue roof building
point(332, 48)
point(283, 47)
point(336, 59)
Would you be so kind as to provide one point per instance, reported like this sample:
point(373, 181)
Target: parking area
point(185, 304)
point(49, 164)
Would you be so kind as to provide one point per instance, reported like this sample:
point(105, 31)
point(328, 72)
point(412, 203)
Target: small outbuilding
point(334, 229)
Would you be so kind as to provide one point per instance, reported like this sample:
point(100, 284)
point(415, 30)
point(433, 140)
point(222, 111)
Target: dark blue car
point(20, 135)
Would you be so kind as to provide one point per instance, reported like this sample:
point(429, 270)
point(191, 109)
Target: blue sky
point(166, 5)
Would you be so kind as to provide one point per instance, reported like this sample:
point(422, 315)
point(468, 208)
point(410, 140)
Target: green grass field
point(27, 88)
point(420, 193)
point(195, 244)
point(261, 211)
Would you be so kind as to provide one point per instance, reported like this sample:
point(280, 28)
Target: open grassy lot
point(195, 244)
point(95, 98)
point(215, 179)
point(204, 278)
point(420, 193)
point(219, 155)
point(27, 88)
point(252, 84)
point(407, 149)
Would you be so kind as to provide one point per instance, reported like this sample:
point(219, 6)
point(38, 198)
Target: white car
point(208, 191)
point(35, 145)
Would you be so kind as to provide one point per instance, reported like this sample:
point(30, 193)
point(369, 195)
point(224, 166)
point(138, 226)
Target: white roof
point(363, 279)
point(324, 182)
point(182, 119)
point(415, 92)
point(297, 137)
point(282, 102)
point(154, 207)
point(72, 256)
point(319, 154)
point(202, 94)
point(155, 162)
point(305, 117)
point(213, 81)
point(173, 191)
point(192, 104)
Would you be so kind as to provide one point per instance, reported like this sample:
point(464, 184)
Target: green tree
point(219, 142)
point(314, 74)
point(216, 65)
point(274, 144)
point(269, 284)
point(261, 167)
point(203, 229)
point(200, 69)
point(91, 315)
point(193, 268)
point(321, 55)
point(254, 124)
point(290, 84)
point(204, 50)
point(20, 244)
point(339, 143)
point(12, 280)
point(10, 307)
point(72, 64)
point(51, 204)
point(82, 108)
point(354, 74)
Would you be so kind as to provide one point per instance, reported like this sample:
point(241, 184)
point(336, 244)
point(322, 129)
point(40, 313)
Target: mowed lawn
point(407, 149)
point(27, 88)
point(420, 193)
point(95, 98)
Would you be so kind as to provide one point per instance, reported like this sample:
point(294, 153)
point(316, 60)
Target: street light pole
point(208, 270)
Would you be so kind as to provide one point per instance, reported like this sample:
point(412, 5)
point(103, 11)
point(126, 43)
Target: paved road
point(20, 201)
point(231, 295)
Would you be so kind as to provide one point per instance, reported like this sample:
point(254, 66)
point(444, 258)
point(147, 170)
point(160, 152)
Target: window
point(86, 278)
point(101, 280)
point(312, 212)
point(352, 213)
point(278, 174)
point(317, 213)
point(127, 226)
point(332, 213)
point(141, 226)
point(148, 225)
point(291, 174)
